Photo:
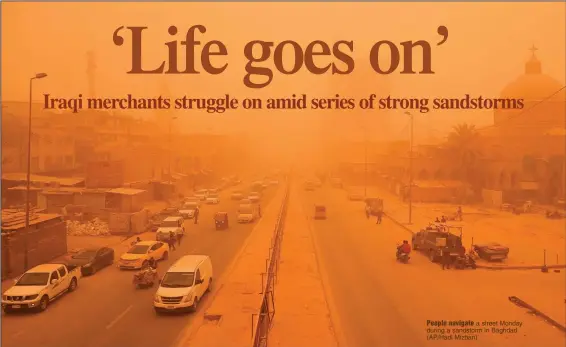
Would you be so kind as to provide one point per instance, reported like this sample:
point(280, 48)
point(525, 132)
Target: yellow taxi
point(139, 254)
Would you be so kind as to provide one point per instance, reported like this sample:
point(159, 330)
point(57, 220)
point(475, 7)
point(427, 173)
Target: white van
point(248, 213)
point(184, 284)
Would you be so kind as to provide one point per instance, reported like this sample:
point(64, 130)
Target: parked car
point(39, 286)
point(491, 251)
point(254, 197)
point(90, 260)
point(139, 254)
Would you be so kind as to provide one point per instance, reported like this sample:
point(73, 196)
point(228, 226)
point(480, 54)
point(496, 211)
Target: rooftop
point(187, 262)
point(13, 219)
point(45, 268)
point(126, 191)
point(64, 181)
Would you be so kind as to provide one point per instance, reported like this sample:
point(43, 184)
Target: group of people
point(174, 239)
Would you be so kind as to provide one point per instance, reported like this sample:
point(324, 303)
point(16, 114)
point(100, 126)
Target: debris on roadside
point(95, 227)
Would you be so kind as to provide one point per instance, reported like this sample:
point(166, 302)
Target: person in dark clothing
point(197, 211)
point(259, 210)
point(379, 217)
point(445, 258)
point(437, 220)
point(171, 241)
point(459, 213)
point(443, 219)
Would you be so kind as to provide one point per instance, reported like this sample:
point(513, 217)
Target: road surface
point(376, 301)
point(106, 309)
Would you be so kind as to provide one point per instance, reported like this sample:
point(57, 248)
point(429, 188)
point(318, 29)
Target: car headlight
point(188, 297)
point(156, 298)
point(32, 297)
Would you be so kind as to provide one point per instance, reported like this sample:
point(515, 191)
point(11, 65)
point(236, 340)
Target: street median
point(232, 316)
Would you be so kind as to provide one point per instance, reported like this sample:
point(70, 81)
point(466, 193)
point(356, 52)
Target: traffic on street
point(106, 309)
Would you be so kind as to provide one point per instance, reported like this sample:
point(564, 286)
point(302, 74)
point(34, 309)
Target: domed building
point(524, 149)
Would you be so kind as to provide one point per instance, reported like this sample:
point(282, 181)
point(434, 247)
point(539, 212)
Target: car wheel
point(165, 256)
point(73, 285)
point(43, 303)
point(194, 307)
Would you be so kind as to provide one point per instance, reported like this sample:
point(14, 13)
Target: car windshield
point(138, 249)
point(178, 279)
point(33, 279)
point(84, 255)
point(245, 209)
point(170, 224)
point(213, 195)
point(191, 205)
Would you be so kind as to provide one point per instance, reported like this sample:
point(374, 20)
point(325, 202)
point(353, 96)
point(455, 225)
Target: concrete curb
point(404, 226)
point(488, 267)
point(520, 267)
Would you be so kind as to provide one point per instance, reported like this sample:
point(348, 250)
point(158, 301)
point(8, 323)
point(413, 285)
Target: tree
point(464, 147)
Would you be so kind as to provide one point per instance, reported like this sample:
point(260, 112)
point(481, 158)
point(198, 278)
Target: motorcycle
point(403, 257)
point(145, 278)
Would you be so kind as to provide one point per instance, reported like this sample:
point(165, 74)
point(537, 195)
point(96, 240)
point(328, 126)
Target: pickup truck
point(434, 238)
point(37, 287)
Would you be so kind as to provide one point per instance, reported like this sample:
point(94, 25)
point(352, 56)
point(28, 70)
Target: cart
point(221, 220)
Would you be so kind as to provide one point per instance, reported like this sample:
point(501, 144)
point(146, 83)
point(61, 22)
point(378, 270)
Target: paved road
point(379, 302)
point(106, 310)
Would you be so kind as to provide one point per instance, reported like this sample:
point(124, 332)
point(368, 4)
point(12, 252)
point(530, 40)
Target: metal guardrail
point(260, 330)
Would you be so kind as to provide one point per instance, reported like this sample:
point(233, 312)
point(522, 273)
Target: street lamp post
point(411, 117)
point(28, 176)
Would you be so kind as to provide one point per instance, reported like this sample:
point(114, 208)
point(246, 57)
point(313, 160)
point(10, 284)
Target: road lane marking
point(120, 316)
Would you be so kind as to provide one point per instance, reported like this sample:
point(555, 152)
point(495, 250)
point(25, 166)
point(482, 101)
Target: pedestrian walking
point(259, 210)
point(197, 211)
point(171, 241)
point(459, 213)
point(179, 237)
point(445, 257)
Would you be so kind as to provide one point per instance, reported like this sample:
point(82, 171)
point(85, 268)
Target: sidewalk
point(527, 235)
point(228, 320)
point(302, 316)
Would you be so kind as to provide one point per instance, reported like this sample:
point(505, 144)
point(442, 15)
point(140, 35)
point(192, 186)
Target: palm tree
point(464, 147)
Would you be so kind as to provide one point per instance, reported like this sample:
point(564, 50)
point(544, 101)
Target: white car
point(247, 213)
point(188, 210)
point(170, 225)
point(37, 287)
point(213, 198)
point(140, 254)
point(254, 198)
point(237, 196)
point(184, 284)
point(202, 194)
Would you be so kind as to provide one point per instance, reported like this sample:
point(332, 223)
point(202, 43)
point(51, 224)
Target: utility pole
point(28, 176)
point(411, 117)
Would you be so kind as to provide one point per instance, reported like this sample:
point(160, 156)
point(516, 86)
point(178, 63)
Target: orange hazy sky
point(487, 47)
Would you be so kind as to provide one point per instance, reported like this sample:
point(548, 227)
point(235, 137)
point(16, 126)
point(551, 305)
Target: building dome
point(533, 85)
